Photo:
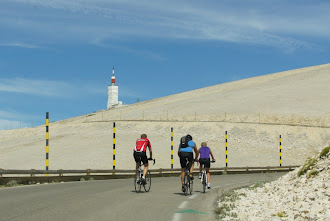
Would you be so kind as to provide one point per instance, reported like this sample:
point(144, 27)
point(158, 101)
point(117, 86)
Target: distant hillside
point(303, 92)
point(294, 104)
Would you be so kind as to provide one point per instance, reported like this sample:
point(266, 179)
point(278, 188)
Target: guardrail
point(118, 172)
point(40, 176)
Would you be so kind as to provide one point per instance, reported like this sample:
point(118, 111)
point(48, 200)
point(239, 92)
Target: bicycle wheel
point(137, 186)
point(186, 183)
point(191, 185)
point(148, 182)
point(204, 182)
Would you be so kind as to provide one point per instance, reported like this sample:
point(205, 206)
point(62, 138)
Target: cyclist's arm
point(211, 154)
point(179, 150)
point(197, 154)
point(195, 149)
point(150, 150)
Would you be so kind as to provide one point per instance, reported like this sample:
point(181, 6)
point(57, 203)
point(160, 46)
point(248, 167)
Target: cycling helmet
point(189, 137)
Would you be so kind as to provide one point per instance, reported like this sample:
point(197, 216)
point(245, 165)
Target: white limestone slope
point(289, 198)
point(290, 99)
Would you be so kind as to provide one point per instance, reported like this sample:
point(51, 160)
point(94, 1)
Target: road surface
point(117, 200)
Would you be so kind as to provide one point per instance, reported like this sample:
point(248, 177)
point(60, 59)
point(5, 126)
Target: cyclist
point(204, 159)
point(140, 152)
point(186, 152)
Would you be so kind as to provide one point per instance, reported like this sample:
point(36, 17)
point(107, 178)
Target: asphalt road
point(117, 200)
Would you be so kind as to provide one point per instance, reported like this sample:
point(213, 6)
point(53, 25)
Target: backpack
point(184, 142)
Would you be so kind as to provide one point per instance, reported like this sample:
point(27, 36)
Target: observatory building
point(113, 93)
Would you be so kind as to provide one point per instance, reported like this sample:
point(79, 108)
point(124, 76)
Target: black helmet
point(189, 137)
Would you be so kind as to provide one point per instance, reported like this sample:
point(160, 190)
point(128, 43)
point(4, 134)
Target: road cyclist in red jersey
point(140, 154)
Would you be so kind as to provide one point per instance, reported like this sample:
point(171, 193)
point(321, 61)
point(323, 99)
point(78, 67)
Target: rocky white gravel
point(288, 198)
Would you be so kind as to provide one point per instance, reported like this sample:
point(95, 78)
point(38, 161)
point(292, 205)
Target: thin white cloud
point(35, 87)
point(144, 53)
point(55, 89)
point(19, 44)
point(15, 115)
point(248, 22)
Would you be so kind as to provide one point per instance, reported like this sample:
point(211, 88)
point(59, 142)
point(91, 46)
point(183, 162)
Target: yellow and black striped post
point(47, 141)
point(114, 145)
point(171, 149)
point(280, 152)
point(226, 152)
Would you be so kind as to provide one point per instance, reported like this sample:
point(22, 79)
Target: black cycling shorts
point(140, 156)
point(205, 161)
point(184, 156)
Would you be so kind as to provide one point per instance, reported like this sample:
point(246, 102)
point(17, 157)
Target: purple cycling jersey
point(204, 152)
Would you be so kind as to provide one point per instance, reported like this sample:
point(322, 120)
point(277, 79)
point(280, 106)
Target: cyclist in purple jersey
point(204, 159)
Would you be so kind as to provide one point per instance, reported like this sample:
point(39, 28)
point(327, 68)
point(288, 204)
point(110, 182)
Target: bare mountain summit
point(255, 112)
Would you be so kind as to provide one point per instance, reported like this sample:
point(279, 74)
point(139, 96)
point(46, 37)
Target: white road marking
point(192, 197)
point(177, 216)
point(183, 205)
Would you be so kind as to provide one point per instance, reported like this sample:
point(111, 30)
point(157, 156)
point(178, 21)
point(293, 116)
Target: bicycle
point(187, 182)
point(139, 173)
point(204, 177)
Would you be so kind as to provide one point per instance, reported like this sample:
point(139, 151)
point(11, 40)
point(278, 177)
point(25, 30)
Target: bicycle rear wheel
point(148, 182)
point(191, 185)
point(204, 182)
point(137, 186)
point(186, 184)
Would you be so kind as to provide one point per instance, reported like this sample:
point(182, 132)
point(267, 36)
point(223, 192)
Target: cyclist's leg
point(191, 164)
point(145, 163)
point(208, 174)
point(207, 168)
point(182, 175)
point(146, 167)
point(137, 163)
point(137, 166)
point(183, 166)
point(200, 169)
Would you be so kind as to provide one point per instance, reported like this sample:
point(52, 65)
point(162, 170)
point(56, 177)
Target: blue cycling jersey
point(191, 145)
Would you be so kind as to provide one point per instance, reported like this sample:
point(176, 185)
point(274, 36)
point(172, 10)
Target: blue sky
point(57, 55)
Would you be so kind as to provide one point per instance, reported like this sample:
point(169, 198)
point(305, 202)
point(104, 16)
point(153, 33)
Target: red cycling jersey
point(142, 144)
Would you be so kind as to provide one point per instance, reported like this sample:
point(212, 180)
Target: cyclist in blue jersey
point(187, 153)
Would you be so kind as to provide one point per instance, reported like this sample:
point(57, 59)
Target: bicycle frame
point(204, 179)
point(139, 174)
point(188, 183)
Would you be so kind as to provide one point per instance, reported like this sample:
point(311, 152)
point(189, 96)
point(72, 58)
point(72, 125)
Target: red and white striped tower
point(113, 78)
point(112, 92)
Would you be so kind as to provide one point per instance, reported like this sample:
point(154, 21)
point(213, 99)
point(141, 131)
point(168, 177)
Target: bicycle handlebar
point(153, 160)
point(212, 161)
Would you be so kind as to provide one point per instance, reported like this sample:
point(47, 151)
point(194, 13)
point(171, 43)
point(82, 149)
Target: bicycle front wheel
point(204, 182)
point(147, 186)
